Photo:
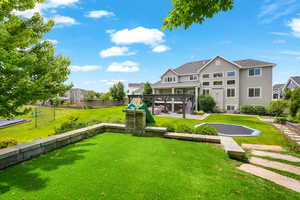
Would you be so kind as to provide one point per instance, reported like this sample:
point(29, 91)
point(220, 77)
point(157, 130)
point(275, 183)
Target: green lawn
point(121, 166)
point(26, 132)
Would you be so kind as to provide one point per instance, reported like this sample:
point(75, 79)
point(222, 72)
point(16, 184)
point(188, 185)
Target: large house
point(231, 83)
point(74, 95)
point(278, 89)
point(135, 88)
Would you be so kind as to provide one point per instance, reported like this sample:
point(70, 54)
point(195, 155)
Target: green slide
point(149, 117)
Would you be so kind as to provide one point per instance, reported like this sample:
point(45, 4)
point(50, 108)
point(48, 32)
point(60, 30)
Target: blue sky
point(109, 41)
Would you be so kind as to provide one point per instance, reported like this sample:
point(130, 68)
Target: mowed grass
point(26, 132)
point(121, 166)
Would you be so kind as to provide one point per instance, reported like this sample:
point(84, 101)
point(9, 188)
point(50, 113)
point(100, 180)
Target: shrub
point(259, 110)
point(205, 130)
point(207, 103)
point(295, 102)
point(276, 108)
point(280, 120)
point(183, 128)
point(200, 112)
point(247, 109)
point(70, 125)
point(7, 142)
point(298, 115)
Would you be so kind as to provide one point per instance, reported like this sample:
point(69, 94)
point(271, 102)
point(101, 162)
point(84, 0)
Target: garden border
point(19, 153)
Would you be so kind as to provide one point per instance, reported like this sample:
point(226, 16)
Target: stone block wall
point(135, 121)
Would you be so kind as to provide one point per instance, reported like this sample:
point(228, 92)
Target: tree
point(295, 102)
point(105, 96)
point(277, 107)
point(187, 12)
point(117, 91)
point(29, 69)
point(147, 90)
point(207, 103)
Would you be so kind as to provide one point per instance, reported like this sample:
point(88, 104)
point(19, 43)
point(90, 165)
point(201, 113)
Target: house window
point(275, 96)
point(230, 108)
point(218, 82)
point(193, 77)
point(205, 83)
point(205, 76)
point(254, 92)
point(230, 74)
point(218, 75)
point(205, 92)
point(255, 72)
point(230, 82)
point(231, 92)
point(170, 79)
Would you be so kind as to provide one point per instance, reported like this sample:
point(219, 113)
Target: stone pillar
point(196, 98)
point(173, 106)
point(135, 121)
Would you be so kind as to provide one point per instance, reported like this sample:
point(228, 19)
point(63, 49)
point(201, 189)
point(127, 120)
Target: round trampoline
point(232, 130)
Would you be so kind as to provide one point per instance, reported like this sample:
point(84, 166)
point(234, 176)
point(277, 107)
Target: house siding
point(223, 67)
point(264, 82)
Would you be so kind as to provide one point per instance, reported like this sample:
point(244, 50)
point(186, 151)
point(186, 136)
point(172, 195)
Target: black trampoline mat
point(231, 129)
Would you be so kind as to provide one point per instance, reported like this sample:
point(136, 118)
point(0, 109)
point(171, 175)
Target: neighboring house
point(231, 83)
point(278, 91)
point(135, 88)
point(74, 95)
point(293, 82)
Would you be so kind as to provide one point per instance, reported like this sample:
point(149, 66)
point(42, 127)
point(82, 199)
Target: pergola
point(184, 98)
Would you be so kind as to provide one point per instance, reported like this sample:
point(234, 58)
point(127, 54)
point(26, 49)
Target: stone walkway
point(288, 132)
point(271, 176)
point(276, 155)
point(263, 147)
point(275, 165)
point(187, 116)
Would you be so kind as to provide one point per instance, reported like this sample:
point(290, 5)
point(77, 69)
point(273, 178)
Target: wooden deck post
point(183, 108)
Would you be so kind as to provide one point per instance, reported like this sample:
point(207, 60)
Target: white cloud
point(116, 51)
point(140, 34)
point(160, 48)
point(291, 52)
point(294, 24)
point(110, 31)
point(127, 66)
point(111, 82)
point(272, 10)
point(99, 14)
point(279, 41)
point(279, 33)
point(85, 68)
point(64, 20)
point(40, 7)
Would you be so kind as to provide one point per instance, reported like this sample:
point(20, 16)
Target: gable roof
point(278, 86)
point(296, 79)
point(194, 67)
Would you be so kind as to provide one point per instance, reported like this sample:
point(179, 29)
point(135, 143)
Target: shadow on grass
point(32, 175)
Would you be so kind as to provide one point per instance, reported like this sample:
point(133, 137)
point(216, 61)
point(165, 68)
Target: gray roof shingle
point(296, 79)
point(193, 67)
point(278, 86)
point(159, 84)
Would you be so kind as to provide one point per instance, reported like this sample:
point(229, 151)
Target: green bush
point(205, 130)
point(295, 102)
point(281, 120)
point(7, 142)
point(70, 125)
point(248, 109)
point(277, 107)
point(260, 110)
point(207, 103)
point(298, 115)
point(183, 128)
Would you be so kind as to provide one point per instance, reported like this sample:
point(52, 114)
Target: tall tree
point(29, 69)
point(187, 12)
point(117, 91)
point(147, 90)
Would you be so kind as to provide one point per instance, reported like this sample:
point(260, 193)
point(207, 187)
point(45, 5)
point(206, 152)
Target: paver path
point(288, 132)
point(276, 155)
point(263, 147)
point(271, 176)
point(275, 165)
